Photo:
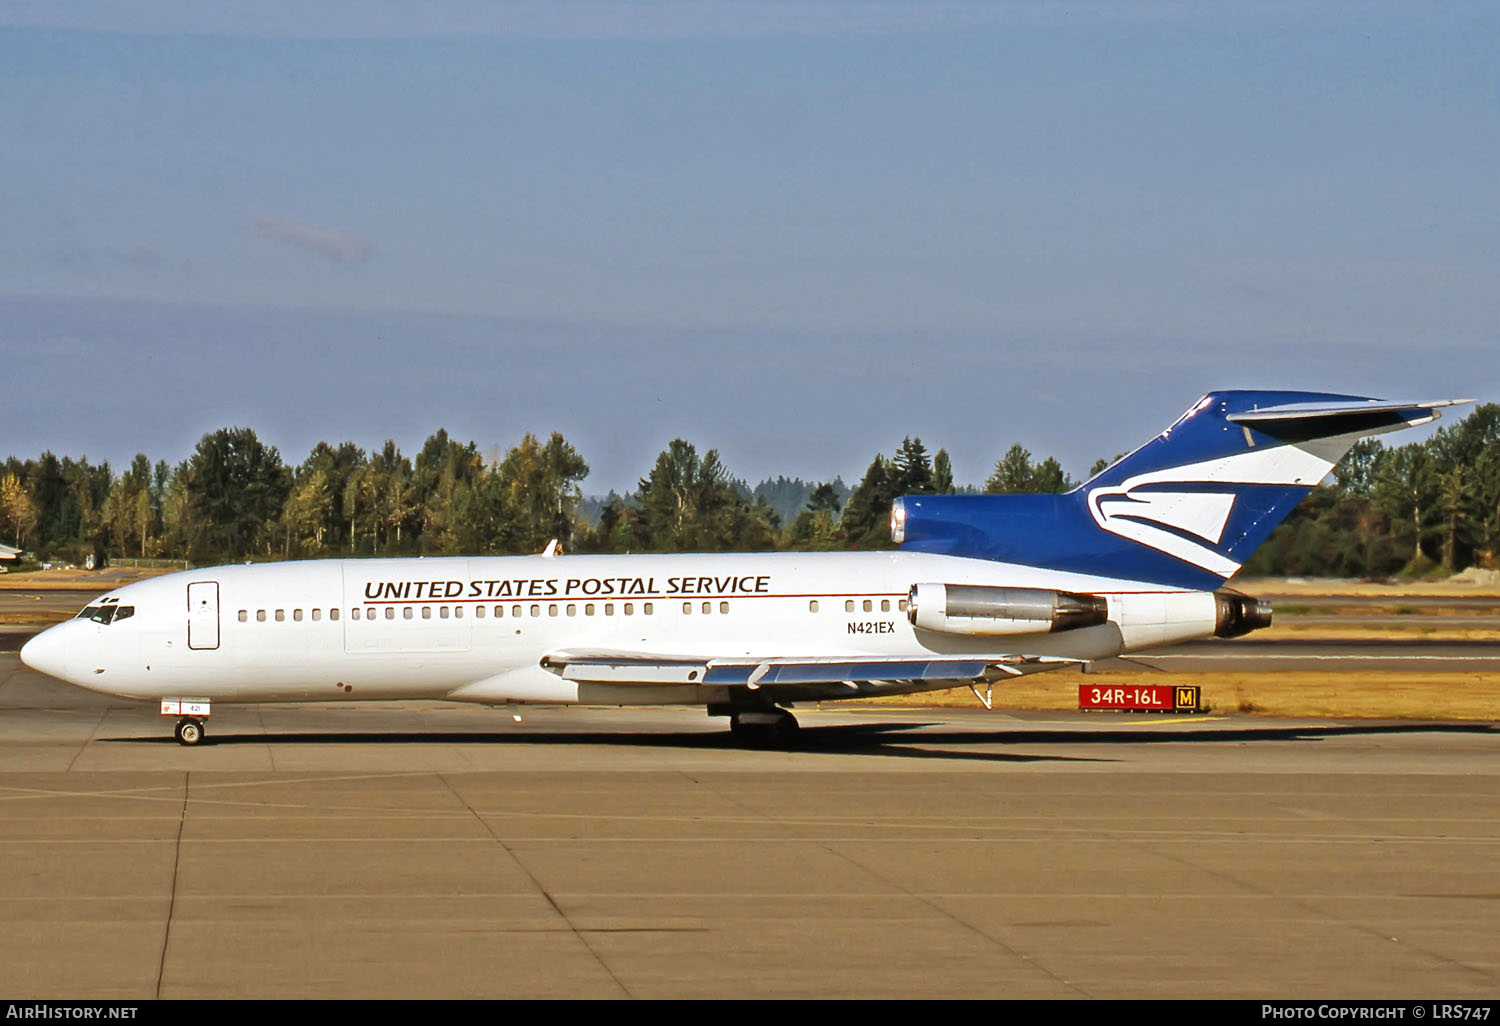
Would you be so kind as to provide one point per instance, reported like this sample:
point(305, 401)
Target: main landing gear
point(768, 728)
point(189, 731)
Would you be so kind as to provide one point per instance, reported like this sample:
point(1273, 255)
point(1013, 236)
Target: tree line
point(1386, 510)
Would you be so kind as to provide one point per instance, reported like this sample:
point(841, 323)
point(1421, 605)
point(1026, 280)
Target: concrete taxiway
point(429, 851)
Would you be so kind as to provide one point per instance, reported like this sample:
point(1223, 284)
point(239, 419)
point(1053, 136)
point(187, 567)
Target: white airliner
point(983, 589)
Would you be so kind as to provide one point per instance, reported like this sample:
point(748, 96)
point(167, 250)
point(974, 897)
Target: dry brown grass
point(1357, 631)
point(1382, 695)
point(76, 580)
point(1394, 590)
point(40, 618)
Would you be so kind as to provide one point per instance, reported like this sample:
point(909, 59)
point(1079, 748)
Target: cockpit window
point(99, 614)
point(105, 614)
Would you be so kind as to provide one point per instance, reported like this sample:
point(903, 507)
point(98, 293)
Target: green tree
point(1405, 492)
point(19, 509)
point(618, 529)
point(442, 470)
point(942, 473)
point(236, 487)
point(1049, 477)
point(816, 525)
point(337, 466)
point(688, 504)
point(305, 515)
point(1013, 473)
point(540, 494)
point(911, 469)
point(866, 520)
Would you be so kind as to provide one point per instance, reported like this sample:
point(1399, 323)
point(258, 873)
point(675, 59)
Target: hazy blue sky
point(794, 232)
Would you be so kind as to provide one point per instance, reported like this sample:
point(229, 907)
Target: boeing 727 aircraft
point(983, 588)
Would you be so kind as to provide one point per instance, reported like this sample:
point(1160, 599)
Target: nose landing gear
point(189, 731)
point(193, 711)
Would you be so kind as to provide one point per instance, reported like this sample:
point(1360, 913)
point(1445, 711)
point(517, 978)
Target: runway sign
point(1139, 697)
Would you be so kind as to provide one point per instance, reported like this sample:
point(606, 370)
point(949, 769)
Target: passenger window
point(723, 607)
point(390, 612)
point(244, 615)
point(572, 609)
point(588, 610)
point(427, 612)
point(354, 613)
point(609, 609)
point(406, 613)
point(515, 610)
point(479, 612)
point(868, 605)
point(458, 612)
point(317, 614)
point(848, 605)
point(552, 610)
point(647, 608)
point(536, 610)
point(630, 609)
point(708, 607)
point(885, 605)
point(333, 614)
point(812, 606)
point(901, 605)
point(442, 612)
point(260, 616)
point(687, 607)
point(297, 615)
point(280, 615)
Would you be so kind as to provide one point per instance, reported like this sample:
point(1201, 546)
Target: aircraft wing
point(644, 668)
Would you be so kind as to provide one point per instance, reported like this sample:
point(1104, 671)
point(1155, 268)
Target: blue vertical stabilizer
point(1184, 510)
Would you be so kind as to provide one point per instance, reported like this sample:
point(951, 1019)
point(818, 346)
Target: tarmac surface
point(424, 850)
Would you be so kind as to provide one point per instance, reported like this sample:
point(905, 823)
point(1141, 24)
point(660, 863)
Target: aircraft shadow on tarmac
point(880, 739)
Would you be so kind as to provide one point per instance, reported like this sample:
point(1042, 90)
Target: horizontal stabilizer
point(1324, 419)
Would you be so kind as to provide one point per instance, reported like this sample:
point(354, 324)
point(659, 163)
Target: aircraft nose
point(47, 653)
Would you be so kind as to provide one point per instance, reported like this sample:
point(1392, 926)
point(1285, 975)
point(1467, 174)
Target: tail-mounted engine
point(1237, 614)
point(978, 609)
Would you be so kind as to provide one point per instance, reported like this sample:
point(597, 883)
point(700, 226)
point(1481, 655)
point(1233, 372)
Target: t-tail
point(1186, 509)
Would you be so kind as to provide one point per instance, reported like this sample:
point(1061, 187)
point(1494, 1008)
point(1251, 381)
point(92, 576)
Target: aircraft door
point(203, 614)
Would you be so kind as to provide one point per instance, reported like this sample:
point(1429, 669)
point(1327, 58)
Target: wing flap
point(625, 668)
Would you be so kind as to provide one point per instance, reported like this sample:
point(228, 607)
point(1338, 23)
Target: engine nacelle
point(1238, 614)
point(980, 609)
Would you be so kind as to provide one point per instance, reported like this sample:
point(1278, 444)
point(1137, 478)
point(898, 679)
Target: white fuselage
point(480, 629)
